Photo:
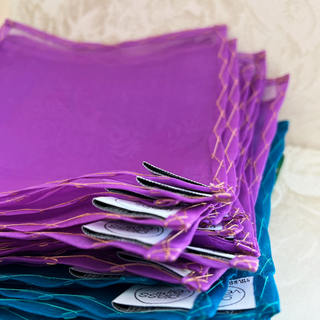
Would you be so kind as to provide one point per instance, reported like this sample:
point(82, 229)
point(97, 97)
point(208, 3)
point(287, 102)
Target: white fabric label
point(181, 272)
point(148, 234)
point(138, 207)
point(178, 297)
point(218, 227)
point(239, 295)
point(211, 252)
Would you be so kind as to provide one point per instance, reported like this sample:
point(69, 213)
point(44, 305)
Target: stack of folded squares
point(182, 130)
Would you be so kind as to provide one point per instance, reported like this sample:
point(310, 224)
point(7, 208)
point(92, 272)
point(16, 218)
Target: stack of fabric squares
point(182, 130)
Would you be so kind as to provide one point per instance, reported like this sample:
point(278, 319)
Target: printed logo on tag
point(124, 228)
point(138, 207)
point(232, 296)
point(177, 297)
point(218, 227)
point(162, 295)
point(239, 295)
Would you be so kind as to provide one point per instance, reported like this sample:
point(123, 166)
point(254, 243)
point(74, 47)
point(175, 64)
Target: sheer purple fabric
point(71, 109)
point(185, 102)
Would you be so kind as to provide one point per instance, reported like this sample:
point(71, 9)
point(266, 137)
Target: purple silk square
point(256, 154)
point(70, 109)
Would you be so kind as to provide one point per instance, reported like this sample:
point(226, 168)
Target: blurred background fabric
point(289, 31)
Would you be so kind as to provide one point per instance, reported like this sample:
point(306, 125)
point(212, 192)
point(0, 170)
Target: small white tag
point(138, 207)
point(148, 234)
point(211, 252)
point(213, 228)
point(239, 295)
point(177, 297)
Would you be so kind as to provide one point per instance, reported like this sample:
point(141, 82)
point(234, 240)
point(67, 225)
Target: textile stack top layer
point(179, 128)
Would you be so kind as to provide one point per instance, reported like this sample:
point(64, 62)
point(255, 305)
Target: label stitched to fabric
point(181, 272)
point(138, 207)
point(211, 252)
point(148, 234)
point(218, 227)
point(239, 295)
point(177, 297)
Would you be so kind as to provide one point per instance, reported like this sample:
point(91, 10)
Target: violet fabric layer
point(245, 241)
point(52, 225)
point(87, 108)
point(173, 247)
point(187, 103)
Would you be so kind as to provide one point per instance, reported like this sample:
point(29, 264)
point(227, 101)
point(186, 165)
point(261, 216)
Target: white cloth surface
point(294, 232)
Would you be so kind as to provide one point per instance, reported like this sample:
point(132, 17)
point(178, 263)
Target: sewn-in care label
point(239, 295)
point(218, 227)
point(198, 250)
point(148, 234)
point(138, 207)
point(176, 297)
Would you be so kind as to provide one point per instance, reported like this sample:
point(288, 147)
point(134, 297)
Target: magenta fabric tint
point(52, 192)
point(196, 42)
point(69, 202)
point(264, 133)
point(186, 102)
point(264, 130)
point(71, 109)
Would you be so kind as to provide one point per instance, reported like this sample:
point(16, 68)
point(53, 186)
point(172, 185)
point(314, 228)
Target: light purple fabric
point(71, 109)
point(186, 102)
point(264, 132)
point(245, 241)
point(46, 221)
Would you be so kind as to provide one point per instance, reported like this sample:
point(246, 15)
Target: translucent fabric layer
point(206, 304)
point(182, 132)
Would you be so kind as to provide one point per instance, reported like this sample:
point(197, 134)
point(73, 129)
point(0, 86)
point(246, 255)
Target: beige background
point(289, 30)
